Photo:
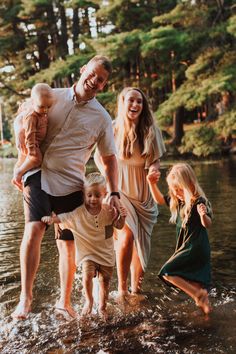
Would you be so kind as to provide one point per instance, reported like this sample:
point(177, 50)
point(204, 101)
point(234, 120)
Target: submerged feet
point(202, 301)
point(66, 310)
point(22, 309)
point(87, 309)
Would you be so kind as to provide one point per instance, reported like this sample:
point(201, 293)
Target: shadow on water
point(166, 321)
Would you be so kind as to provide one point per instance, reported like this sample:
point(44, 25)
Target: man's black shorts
point(38, 203)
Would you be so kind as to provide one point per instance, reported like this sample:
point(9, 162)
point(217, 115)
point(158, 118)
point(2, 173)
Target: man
point(76, 123)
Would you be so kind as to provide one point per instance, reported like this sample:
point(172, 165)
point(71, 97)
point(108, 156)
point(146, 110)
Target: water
point(166, 321)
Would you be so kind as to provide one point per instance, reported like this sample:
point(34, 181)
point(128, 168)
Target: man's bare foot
point(65, 310)
point(202, 301)
point(22, 310)
point(87, 309)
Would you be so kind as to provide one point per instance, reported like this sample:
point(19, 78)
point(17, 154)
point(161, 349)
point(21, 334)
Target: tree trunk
point(64, 35)
point(75, 27)
point(178, 123)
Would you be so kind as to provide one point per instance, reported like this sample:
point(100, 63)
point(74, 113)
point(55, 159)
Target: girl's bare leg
point(194, 290)
point(137, 272)
point(123, 258)
point(88, 293)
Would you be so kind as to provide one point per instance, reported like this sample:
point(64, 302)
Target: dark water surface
point(166, 322)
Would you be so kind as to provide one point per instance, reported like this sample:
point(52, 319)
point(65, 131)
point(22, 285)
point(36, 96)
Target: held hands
point(153, 176)
point(202, 209)
point(123, 212)
point(47, 220)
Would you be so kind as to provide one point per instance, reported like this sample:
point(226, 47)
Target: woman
point(139, 147)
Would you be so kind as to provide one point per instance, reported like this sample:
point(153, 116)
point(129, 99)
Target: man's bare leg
point(67, 270)
point(29, 262)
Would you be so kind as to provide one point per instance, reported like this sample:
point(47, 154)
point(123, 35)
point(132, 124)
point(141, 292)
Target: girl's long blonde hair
point(127, 133)
point(182, 176)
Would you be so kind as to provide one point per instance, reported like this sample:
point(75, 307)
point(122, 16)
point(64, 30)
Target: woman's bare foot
point(202, 301)
point(121, 297)
point(87, 309)
point(65, 310)
point(22, 309)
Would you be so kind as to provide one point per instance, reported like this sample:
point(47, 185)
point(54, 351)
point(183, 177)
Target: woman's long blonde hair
point(182, 176)
point(127, 133)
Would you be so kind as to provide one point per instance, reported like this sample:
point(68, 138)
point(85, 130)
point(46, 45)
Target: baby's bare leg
point(88, 293)
point(103, 297)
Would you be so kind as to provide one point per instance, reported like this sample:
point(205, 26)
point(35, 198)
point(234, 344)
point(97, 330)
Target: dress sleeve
point(158, 148)
point(202, 200)
point(30, 126)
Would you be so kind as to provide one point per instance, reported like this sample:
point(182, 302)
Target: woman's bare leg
point(194, 290)
point(123, 258)
point(137, 272)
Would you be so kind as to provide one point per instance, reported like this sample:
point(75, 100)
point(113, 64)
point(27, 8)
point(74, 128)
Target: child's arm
point(205, 219)
point(120, 221)
point(153, 178)
point(53, 219)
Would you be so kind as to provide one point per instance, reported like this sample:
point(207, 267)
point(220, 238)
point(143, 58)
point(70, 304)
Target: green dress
point(191, 259)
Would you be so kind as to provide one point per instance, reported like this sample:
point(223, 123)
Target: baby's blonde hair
point(182, 176)
point(41, 90)
point(94, 178)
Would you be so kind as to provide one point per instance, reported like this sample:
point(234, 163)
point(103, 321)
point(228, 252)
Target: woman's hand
point(153, 176)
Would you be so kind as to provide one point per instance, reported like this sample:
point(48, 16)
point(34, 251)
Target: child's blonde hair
point(94, 178)
point(127, 133)
point(182, 176)
point(41, 90)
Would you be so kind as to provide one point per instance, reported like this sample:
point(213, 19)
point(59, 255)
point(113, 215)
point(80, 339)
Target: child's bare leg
point(88, 293)
point(193, 289)
point(103, 297)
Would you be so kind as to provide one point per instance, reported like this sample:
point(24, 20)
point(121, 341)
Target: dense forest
point(182, 54)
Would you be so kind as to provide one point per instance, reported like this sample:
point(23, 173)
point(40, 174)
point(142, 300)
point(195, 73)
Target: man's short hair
point(104, 61)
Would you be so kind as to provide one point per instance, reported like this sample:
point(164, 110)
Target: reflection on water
point(165, 322)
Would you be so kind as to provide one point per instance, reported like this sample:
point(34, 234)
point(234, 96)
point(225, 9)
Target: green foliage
point(226, 124)
point(108, 100)
point(232, 25)
point(201, 141)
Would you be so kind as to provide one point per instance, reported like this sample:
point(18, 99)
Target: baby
point(35, 124)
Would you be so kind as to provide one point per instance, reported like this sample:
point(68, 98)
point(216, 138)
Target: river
point(167, 321)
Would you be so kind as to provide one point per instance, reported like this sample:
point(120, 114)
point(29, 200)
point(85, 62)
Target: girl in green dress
point(189, 267)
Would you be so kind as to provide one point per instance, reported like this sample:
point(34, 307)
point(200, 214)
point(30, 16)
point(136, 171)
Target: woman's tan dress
point(136, 196)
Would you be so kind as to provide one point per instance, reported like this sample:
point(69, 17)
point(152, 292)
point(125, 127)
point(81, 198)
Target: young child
point(35, 127)
point(189, 267)
point(92, 226)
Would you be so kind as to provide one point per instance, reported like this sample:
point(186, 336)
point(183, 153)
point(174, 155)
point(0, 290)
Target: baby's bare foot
point(87, 309)
point(103, 315)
